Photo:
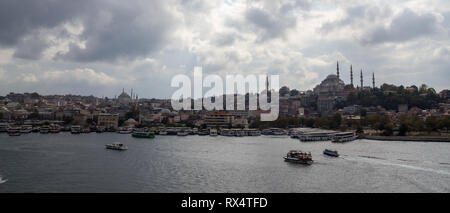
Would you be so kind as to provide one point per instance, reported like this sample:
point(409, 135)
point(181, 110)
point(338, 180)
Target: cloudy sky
point(99, 47)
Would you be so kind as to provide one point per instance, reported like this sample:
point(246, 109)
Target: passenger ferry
point(75, 129)
point(124, 130)
point(332, 153)
point(314, 136)
point(344, 137)
point(298, 156)
point(213, 132)
point(116, 146)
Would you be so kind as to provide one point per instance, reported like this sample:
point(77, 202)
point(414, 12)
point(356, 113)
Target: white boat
point(213, 132)
point(116, 146)
point(314, 136)
point(182, 133)
point(26, 129)
point(298, 156)
point(75, 129)
point(343, 137)
point(124, 130)
point(162, 132)
point(44, 130)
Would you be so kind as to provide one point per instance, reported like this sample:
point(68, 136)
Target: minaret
point(267, 83)
point(337, 68)
point(361, 80)
point(373, 80)
point(351, 75)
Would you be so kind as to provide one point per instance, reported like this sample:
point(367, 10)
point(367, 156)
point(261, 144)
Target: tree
point(403, 129)
point(388, 130)
point(284, 91)
point(294, 92)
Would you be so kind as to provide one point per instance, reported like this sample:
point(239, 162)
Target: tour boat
point(116, 146)
point(330, 152)
point(75, 129)
point(125, 130)
point(343, 137)
point(143, 135)
point(213, 132)
point(314, 136)
point(298, 156)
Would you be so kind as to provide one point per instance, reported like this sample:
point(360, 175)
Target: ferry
point(314, 136)
point(343, 137)
point(213, 132)
point(116, 146)
point(143, 135)
point(332, 153)
point(14, 131)
point(26, 129)
point(44, 130)
point(298, 156)
point(75, 129)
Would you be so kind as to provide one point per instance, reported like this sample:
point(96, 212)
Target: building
point(329, 91)
point(108, 120)
point(218, 118)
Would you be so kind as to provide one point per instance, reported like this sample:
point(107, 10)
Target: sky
point(87, 47)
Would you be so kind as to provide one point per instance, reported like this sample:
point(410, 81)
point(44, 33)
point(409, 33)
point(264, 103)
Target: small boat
point(182, 133)
point(332, 153)
point(116, 146)
point(203, 132)
point(213, 132)
point(143, 135)
point(44, 130)
point(75, 129)
point(14, 131)
point(298, 156)
point(26, 129)
point(2, 180)
point(343, 137)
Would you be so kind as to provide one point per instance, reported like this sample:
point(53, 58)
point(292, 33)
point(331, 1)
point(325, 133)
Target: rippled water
point(80, 163)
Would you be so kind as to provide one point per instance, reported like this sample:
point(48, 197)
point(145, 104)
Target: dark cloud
point(406, 26)
point(111, 29)
point(269, 25)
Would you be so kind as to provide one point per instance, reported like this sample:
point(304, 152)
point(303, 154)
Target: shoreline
point(408, 138)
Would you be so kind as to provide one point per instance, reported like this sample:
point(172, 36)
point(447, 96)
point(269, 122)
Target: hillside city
point(384, 110)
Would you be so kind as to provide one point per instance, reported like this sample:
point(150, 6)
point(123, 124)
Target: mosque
point(333, 89)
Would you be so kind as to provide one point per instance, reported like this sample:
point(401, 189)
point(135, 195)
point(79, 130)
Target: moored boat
point(203, 132)
point(75, 129)
point(143, 135)
point(298, 156)
point(182, 133)
point(44, 130)
point(14, 131)
point(25, 129)
point(116, 146)
point(332, 153)
point(343, 137)
point(213, 132)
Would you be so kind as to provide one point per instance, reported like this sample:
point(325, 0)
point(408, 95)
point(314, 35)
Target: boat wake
point(383, 161)
point(3, 180)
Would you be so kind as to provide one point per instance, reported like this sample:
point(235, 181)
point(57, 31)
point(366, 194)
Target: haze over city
point(98, 48)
